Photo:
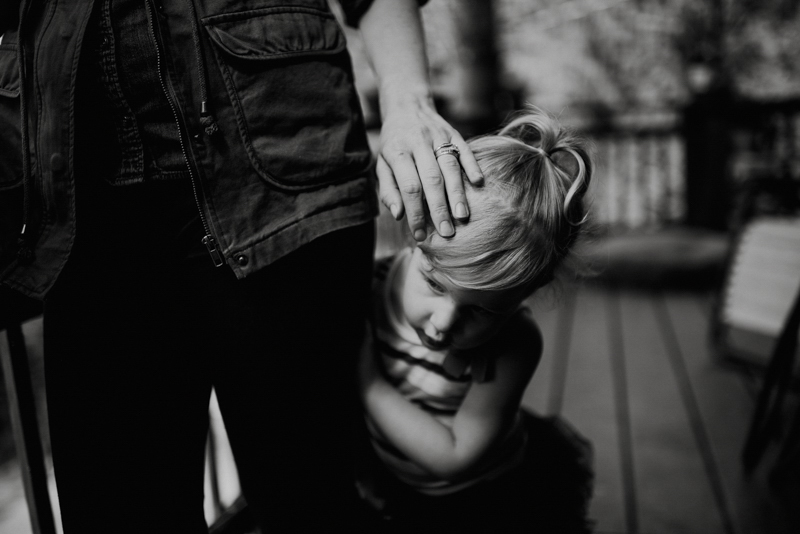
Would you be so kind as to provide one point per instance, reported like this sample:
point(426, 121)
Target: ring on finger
point(446, 148)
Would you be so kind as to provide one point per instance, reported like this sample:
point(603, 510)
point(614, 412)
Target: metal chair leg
point(16, 371)
point(768, 414)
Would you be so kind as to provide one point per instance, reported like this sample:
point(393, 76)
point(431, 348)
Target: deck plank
point(726, 408)
point(546, 311)
point(673, 495)
point(589, 406)
point(622, 409)
point(690, 402)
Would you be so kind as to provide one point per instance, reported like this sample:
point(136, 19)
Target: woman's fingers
point(448, 156)
point(409, 182)
point(467, 160)
point(432, 178)
point(387, 189)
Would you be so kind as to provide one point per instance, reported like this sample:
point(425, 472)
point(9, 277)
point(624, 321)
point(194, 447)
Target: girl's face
point(445, 315)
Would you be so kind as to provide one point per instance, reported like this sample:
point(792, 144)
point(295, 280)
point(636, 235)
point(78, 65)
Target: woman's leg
point(126, 375)
point(285, 380)
point(128, 408)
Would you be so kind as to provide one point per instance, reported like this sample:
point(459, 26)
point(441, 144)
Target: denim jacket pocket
point(10, 141)
point(289, 79)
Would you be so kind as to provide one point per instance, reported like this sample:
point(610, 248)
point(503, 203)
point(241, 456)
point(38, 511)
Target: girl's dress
point(538, 478)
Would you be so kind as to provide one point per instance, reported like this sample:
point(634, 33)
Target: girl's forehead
point(498, 300)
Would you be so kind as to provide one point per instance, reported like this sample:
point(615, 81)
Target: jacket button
point(241, 259)
point(57, 163)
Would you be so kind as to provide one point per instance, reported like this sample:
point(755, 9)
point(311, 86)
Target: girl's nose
point(445, 316)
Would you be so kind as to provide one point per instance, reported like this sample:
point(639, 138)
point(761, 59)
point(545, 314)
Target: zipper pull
point(24, 253)
point(207, 120)
point(216, 255)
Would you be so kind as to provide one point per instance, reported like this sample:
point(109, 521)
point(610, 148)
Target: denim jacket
point(263, 98)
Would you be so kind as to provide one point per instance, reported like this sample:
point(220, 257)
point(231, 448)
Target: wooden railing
point(661, 168)
point(639, 178)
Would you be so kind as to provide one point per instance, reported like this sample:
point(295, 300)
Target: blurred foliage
point(660, 50)
point(624, 54)
point(618, 54)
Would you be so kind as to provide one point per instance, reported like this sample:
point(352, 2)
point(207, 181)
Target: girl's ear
point(566, 162)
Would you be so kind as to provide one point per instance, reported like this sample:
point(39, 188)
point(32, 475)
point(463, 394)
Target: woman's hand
point(410, 174)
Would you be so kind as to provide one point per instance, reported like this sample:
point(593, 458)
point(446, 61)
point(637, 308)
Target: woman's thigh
point(127, 373)
point(285, 379)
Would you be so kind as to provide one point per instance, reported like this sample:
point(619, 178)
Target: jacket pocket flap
point(276, 33)
point(9, 71)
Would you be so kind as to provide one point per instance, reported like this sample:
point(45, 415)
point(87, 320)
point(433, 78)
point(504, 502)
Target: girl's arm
point(485, 415)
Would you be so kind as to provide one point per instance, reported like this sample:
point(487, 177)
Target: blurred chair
point(15, 310)
point(759, 289)
point(757, 316)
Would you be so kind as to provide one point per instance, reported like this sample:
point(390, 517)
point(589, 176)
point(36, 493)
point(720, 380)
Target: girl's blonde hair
point(526, 217)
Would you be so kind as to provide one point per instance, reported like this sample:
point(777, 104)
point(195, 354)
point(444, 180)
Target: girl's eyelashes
point(433, 285)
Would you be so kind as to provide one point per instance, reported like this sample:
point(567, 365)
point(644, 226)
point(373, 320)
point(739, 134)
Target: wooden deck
point(634, 372)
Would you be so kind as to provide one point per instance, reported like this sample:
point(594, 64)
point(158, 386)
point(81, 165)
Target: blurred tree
point(476, 94)
point(474, 107)
point(720, 53)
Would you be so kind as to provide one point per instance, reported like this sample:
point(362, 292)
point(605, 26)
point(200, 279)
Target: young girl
point(454, 349)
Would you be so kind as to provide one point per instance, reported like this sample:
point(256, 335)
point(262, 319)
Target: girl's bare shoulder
point(521, 334)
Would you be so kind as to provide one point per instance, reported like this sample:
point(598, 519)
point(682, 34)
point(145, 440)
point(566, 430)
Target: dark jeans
point(138, 329)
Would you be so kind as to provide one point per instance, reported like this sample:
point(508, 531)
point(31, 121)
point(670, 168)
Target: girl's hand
point(410, 175)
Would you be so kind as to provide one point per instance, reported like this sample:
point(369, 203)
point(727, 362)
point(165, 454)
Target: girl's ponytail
point(563, 170)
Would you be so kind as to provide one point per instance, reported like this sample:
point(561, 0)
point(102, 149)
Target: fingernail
point(446, 229)
point(420, 235)
point(461, 210)
point(393, 209)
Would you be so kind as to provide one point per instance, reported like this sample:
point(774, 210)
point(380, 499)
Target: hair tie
point(540, 152)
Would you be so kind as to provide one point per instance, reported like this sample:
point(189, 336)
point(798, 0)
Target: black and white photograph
point(399, 266)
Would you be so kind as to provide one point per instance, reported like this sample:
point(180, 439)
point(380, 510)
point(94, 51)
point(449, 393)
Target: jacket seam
point(305, 217)
point(210, 20)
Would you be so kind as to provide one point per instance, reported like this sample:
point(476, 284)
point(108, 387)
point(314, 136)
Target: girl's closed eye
point(434, 286)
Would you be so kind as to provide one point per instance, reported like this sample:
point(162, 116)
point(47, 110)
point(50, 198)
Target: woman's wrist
point(406, 100)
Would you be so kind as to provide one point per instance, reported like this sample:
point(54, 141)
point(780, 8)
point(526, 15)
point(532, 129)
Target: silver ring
point(446, 148)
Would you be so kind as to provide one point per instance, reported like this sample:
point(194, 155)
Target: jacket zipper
point(208, 239)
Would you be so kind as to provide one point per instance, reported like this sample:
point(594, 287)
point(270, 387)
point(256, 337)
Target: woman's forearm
point(410, 176)
point(392, 32)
